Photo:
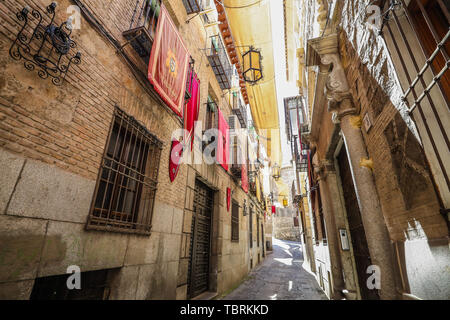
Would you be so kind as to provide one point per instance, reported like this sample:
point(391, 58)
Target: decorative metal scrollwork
point(46, 46)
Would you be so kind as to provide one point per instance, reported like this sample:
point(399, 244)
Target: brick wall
point(51, 143)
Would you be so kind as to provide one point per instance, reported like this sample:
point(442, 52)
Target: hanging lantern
point(276, 172)
point(285, 202)
point(252, 66)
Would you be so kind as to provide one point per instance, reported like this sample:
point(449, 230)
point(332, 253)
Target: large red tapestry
point(168, 65)
point(223, 148)
point(191, 111)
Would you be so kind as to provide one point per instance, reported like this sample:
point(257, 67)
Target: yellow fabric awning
point(250, 24)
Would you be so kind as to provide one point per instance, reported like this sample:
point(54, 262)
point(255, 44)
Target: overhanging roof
point(250, 24)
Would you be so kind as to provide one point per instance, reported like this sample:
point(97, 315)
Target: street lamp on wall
point(252, 66)
point(285, 202)
point(276, 172)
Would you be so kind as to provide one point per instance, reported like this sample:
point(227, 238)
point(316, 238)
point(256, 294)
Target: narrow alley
point(209, 150)
point(290, 281)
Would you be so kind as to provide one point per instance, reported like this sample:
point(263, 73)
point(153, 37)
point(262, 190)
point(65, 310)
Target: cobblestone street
point(280, 277)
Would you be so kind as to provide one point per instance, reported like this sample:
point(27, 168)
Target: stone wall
point(283, 225)
point(408, 201)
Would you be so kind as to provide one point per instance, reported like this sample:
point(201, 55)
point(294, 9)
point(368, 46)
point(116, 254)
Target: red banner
point(176, 153)
point(168, 65)
point(191, 111)
point(228, 198)
point(223, 149)
point(244, 178)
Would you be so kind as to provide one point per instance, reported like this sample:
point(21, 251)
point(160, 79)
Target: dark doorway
point(358, 235)
point(200, 240)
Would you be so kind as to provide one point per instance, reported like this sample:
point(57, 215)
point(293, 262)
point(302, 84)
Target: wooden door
point(200, 240)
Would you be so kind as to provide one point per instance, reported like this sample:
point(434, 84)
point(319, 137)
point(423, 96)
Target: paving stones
point(280, 277)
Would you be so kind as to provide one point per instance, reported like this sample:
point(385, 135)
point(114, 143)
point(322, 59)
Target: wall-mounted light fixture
point(46, 47)
point(276, 172)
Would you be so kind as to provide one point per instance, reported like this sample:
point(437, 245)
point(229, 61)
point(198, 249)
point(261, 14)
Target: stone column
point(332, 236)
point(340, 103)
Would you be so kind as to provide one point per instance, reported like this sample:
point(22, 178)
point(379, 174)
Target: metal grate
point(218, 59)
point(143, 27)
point(235, 222)
point(127, 182)
point(417, 37)
point(193, 6)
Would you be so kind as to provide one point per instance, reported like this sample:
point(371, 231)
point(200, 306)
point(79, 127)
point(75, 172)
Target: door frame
point(190, 275)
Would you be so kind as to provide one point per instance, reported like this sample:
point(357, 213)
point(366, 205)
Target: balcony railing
point(143, 27)
point(193, 6)
point(236, 166)
point(218, 59)
point(239, 111)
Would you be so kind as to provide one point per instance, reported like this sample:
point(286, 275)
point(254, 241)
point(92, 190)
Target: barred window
point(235, 222)
point(127, 182)
point(211, 110)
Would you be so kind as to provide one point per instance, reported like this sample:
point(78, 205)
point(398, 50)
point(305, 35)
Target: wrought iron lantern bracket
point(46, 47)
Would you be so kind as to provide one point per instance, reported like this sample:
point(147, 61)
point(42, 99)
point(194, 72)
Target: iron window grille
point(142, 28)
point(235, 222)
point(218, 59)
point(211, 122)
point(193, 6)
point(127, 182)
point(417, 37)
point(239, 110)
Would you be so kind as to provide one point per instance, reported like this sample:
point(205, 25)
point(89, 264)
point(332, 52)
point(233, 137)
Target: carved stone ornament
point(337, 90)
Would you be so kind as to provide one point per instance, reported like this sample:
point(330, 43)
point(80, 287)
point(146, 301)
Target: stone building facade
point(52, 144)
point(376, 199)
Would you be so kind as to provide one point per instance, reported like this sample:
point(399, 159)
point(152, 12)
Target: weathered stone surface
point(21, 241)
point(177, 221)
point(143, 250)
point(124, 282)
point(162, 217)
point(51, 193)
point(290, 282)
point(64, 246)
point(10, 167)
point(18, 290)
point(104, 250)
point(182, 293)
point(171, 247)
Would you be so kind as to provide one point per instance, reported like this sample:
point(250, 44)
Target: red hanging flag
point(223, 151)
point(273, 210)
point(244, 178)
point(192, 108)
point(168, 65)
point(228, 199)
point(176, 152)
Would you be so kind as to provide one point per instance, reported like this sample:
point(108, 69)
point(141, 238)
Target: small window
point(235, 222)
point(127, 181)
